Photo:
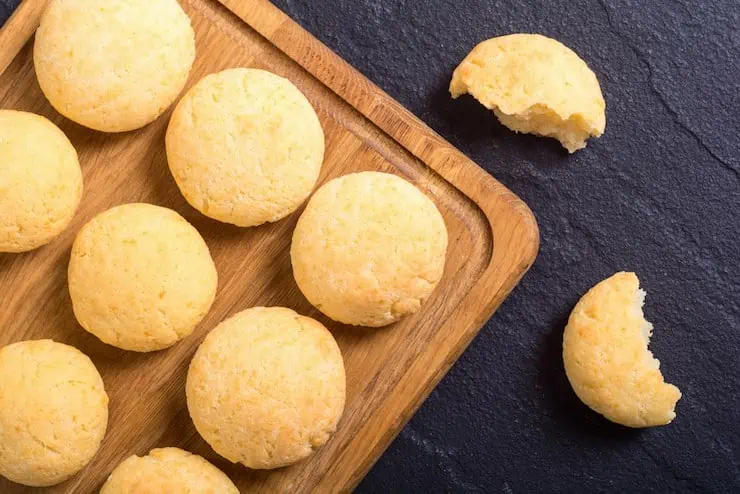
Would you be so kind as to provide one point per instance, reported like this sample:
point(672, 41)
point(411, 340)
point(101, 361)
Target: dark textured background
point(659, 194)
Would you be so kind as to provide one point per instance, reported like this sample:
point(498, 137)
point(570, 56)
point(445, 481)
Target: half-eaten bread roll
point(606, 356)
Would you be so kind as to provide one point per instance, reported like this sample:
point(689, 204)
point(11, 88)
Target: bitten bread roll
point(40, 181)
point(141, 277)
point(267, 387)
point(245, 147)
point(534, 85)
point(168, 471)
point(606, 356)
point(53, 412)
point(113, 65)
point(369, 249)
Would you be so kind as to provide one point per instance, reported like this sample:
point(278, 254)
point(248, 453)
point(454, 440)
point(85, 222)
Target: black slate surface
point(658, 194)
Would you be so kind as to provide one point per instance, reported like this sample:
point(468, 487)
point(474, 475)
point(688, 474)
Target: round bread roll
point(534, 85)
point(40, 181)
point(369, 249)
point(141, 278)
point(606, 356)
point(113, 65)
point(53, 412)
point(167, 471)
point(267, 387)
point(245, 147)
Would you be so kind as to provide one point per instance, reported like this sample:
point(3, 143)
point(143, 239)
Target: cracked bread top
point(113, 65)
point(245, 147)
point(369, 249)
point(53, 412)
point(40, 181)
point(141, 277)
point(266, 387)
point(167, 471)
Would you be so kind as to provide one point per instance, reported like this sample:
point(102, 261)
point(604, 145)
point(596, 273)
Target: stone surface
point(6, 8)
point(658, 194)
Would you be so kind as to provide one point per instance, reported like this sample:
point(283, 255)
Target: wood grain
point(493, 241)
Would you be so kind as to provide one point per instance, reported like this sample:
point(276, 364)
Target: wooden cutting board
point(493, 241)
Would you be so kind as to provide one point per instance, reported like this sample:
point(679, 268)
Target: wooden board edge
point(486, 192)
point(435, 152)
point(492, 197)
point(18, 29)
point(467, 320)
point(444, 362)
point(519, 231)
point(494, 200)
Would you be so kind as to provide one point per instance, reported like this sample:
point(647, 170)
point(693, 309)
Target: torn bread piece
point(534, 85)
point(606, 356)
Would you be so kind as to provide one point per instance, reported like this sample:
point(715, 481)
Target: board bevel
point(493, 241)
